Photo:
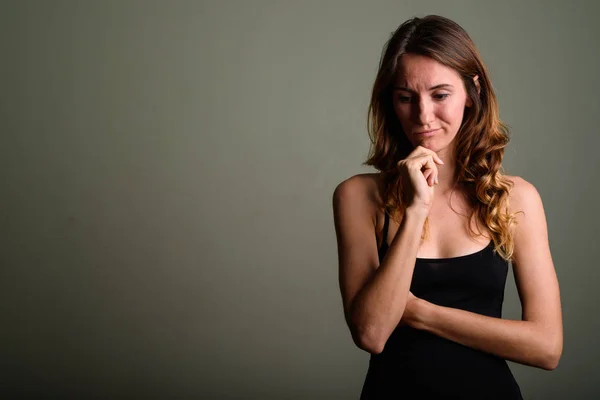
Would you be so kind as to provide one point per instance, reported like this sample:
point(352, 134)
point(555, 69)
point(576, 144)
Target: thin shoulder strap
point(386, 224)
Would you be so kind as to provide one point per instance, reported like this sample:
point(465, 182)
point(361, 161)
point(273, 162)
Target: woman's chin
point(428, 144)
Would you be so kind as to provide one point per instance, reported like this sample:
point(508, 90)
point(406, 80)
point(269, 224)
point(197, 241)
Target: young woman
point(424, 244)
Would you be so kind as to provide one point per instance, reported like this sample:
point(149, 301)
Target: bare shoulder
point(524, 196)
point(361, 188)
point(530, 230)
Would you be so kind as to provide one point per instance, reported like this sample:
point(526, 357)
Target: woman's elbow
point(553, 354)
point(368, 339)
point(551, 362)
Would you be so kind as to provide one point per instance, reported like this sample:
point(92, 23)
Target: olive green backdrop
point(166, 173)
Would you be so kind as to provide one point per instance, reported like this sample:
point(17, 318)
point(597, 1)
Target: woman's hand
point(419, 174)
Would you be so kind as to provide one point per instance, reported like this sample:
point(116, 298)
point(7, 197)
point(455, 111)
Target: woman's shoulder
point(521, 194)
point(367, 186)
point(515, 180)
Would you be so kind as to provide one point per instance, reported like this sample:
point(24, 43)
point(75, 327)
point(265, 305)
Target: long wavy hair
point(480, 140)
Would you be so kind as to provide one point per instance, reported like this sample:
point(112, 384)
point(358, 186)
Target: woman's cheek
point(456, 114)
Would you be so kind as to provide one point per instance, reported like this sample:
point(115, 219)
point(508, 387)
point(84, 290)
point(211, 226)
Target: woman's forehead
point(419, 72)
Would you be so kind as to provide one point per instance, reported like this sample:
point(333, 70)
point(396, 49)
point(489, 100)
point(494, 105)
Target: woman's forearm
point(525, 342)
point(378, 307)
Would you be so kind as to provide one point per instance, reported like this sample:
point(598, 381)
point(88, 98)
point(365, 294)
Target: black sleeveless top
point(418, 364)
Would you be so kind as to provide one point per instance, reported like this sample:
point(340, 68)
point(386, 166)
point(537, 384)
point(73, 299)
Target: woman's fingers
point(429, 159)
point(431, 177)
point(420, 150)
point(420, 169)
point(430, 170)
point(428, 165)
point(428, 173)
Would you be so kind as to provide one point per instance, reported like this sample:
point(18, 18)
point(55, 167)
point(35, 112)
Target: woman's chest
point(450, 233)
point(453, 233)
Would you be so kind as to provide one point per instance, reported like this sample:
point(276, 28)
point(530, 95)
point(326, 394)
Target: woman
point(424, 244)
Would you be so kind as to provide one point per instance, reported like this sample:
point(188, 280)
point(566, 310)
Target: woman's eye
point(407, 99)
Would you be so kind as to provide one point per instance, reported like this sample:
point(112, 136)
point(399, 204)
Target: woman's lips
point(427, 133)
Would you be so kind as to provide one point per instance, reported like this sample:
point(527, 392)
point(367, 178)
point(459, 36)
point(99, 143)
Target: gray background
point(167, 171)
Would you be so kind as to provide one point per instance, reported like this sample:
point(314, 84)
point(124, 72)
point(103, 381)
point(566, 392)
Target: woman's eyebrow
point(441, 85)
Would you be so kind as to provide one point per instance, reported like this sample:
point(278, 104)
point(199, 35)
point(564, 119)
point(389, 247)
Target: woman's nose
point(424, 112)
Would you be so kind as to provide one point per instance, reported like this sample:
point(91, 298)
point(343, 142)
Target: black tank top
point(417, 364)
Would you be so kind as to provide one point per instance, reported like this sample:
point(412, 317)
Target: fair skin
point(376, 296)
point(420, 108)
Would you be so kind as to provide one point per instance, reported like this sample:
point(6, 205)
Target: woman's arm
point(374, 295)
point(537, 339)
point(525, 342)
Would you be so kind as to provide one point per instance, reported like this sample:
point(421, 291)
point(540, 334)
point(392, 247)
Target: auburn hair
point(480, 141)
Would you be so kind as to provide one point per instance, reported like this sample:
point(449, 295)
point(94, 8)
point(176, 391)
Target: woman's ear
point(476, 81)
point(469, 103)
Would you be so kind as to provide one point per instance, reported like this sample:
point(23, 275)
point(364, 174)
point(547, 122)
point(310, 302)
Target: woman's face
point(429, 99)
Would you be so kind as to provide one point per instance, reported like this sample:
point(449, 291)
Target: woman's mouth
point(427, 133)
